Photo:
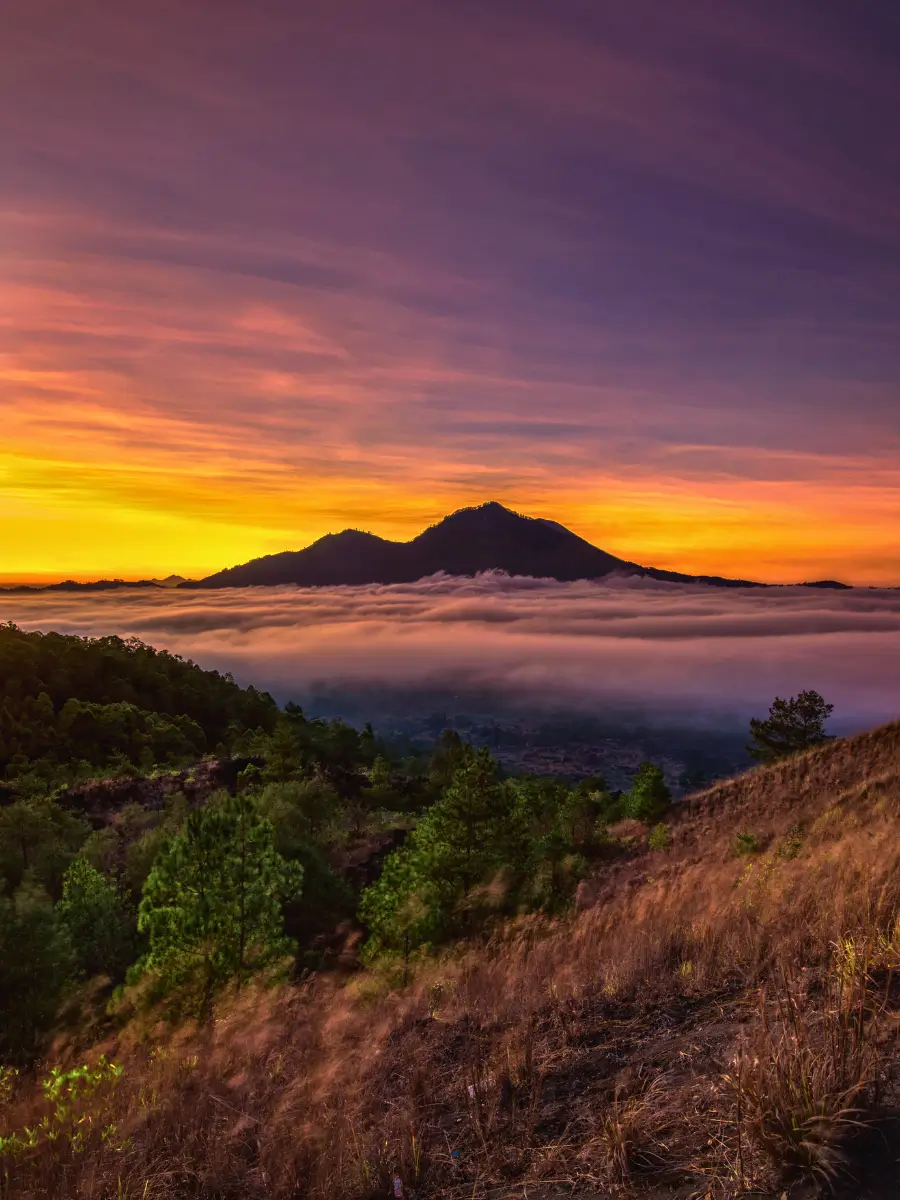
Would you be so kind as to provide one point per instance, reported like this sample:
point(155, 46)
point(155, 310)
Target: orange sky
point(264, 278)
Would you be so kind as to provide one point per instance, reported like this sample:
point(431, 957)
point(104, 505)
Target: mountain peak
point(480, 537)
point(491, 510)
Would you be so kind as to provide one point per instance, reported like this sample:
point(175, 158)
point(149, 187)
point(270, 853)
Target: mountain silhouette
point(484, 538)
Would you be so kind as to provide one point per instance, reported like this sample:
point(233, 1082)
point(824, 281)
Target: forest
point(193, 887)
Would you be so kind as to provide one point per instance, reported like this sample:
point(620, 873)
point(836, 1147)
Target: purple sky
point(272, 268)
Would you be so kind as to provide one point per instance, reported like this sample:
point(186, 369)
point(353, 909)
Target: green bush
point(92, 913)
point(649, 797)
point(660, 838)
point(38, 840)
point(747, 843)
point(36, 962)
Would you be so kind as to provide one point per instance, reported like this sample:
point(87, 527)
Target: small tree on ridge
point(792, 726)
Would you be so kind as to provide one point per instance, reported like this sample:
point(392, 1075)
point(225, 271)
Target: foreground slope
point(603, 1054)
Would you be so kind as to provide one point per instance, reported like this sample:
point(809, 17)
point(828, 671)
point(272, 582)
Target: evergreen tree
point(284, 758)
point(36, 961)
point(449, 752)
point(792, 726)
point(38, 840)
point(649, 797)
point(426, 888)
point(211, 907)
point(92, 913)
point(301, 812)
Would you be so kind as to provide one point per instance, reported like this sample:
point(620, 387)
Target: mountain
point(73, 585)
point(484, 538)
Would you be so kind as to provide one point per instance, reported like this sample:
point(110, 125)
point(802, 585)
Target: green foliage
point(660, 838)
point(485, 847)
point(103, 733)
point(67, 702)
point(92, 913)
point(75, 1104)
point(38, 840)
point(449, 753)
point(302, 812)
point(36, 961)
point(747, 843)
point(649, 797)
point(792, 726)
point(552, 831)
point(425, 889)
point(284, 751)
point(102, 849)
point(381, 792)
point(211, 908)
point(9, 1077)
point(144, 835)
point(307, 815)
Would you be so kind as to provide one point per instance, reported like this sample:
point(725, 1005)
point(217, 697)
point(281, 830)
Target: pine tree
point(38, 840)
point(466, 826)
point(792, 726)
point(284, 759)
point(425, 889)
point(649, 797)
point(36, 961)
point(92, 913)
point(211, 907)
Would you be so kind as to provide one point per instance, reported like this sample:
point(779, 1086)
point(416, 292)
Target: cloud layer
point(676, 652)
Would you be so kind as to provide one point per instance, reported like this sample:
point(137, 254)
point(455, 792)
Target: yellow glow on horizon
point(149, 428)
point(87, 519)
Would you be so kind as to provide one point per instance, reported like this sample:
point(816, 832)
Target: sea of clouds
point(677, 651)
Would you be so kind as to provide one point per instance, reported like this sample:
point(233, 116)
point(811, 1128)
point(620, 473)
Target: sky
point(272, 269)
point(680, 654)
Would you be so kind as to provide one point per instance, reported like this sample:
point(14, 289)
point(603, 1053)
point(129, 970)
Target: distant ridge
point(97, 585)
point(73, 585)
point(486, 537)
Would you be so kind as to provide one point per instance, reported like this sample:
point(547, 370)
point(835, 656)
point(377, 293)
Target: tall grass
point(656, 1038)
point(807, 1077)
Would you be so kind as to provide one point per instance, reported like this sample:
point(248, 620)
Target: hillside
point(716, 1018)
point(70, 704)
point(487, 537)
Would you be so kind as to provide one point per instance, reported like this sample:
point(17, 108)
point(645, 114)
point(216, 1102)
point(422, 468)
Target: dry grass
point(809, 1073)
point(589, 1053)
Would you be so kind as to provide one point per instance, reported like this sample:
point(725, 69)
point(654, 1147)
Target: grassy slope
point(587, 1053)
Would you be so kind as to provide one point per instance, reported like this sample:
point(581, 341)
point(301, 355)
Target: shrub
point(660, 838)
point(747, 843)
point(94, 917)
point(649, 797)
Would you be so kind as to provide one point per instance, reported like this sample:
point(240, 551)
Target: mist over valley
point(563, 677)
